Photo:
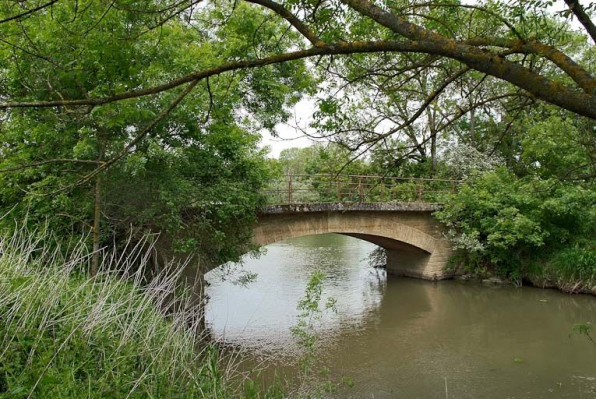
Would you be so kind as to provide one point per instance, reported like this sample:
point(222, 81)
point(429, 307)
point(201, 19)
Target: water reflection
point(259, 316)
point(409, 338)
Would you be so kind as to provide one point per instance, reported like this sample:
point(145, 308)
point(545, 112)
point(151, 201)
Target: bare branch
point(210, 102)
point(432, 96)
point(583, 17)
point(28, 12)
point(455, 118)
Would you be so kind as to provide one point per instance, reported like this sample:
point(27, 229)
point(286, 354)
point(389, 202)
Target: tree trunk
point(433, 153)
point(96, 225)
point(97, 211)
point(472, 127)
point(433, 138)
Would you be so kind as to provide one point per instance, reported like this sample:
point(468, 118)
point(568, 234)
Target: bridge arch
point(413, 239)
point(380, 232)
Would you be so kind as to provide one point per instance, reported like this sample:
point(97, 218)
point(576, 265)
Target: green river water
point(406, 338)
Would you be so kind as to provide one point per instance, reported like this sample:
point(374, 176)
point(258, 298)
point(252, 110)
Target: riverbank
point(570, 270)
point(536, 281)
point(67, 335)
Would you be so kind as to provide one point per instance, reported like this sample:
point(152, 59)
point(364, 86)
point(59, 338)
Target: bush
point(501, 223)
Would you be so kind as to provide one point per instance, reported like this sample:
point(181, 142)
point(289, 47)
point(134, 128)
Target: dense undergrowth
point(67, 335)
point(524, 228)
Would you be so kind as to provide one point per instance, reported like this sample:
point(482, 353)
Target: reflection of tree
point(378, 281)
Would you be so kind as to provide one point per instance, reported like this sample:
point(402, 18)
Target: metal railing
point(332, 188)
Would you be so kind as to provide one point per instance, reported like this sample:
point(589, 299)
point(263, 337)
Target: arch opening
point(387, 243)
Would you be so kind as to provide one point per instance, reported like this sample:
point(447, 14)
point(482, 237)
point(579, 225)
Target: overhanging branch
point(582, 16)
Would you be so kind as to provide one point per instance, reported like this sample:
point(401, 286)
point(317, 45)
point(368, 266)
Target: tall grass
point(574, 267)
point(67, 335)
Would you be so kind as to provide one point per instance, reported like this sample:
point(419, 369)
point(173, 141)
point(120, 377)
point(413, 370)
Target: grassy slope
point(65, 335)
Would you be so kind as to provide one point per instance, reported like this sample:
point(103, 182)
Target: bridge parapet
point(352, 207)
point(357, 189)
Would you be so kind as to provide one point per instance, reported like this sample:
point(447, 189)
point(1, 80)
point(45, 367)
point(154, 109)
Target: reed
point(118, 334)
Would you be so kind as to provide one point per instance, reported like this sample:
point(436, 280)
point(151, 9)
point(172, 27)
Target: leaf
point(17, 390)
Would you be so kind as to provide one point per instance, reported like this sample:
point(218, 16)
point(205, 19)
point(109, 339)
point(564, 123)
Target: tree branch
point(583, 17)
point(49, 161)
point(579, 75)
point(431, 97)
point(292, 19)
point(475, 58)
point(28, 12)
point(473, 7)
point(137, 139)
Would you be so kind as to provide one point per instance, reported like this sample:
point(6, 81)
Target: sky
point(287, 135)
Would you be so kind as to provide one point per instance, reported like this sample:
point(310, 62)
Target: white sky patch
point(291, 134)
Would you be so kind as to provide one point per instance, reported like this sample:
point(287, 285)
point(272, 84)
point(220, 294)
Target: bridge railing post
point(289, 189)
point(360, 190)
point(419, 191)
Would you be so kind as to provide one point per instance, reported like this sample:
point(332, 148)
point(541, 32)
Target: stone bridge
point(413, 239)
point(391, 212)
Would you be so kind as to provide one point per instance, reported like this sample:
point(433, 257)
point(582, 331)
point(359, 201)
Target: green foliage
point(502, 223)
point(195, 175)
point(66, 335)
point(314, 376)
point(556, 146)
point(321, 159)
point(310, 314)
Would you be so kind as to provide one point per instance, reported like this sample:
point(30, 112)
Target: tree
point(181, 162)
point(359, 26)
point(516, 42)
point(132, 68)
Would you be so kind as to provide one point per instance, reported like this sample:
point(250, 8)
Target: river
point(406, 338)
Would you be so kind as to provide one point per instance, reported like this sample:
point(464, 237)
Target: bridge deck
point(352, 207)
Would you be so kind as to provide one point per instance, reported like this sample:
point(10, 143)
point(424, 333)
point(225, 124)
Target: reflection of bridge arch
point(413, 239)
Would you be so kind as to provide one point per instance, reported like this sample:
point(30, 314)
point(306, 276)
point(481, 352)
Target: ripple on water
point(408, 338)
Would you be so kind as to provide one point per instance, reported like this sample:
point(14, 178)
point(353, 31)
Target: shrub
point(501, 223)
